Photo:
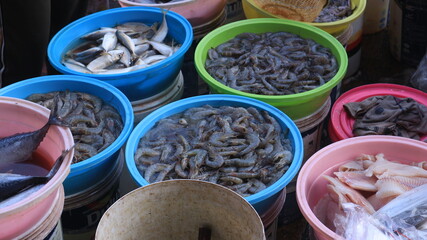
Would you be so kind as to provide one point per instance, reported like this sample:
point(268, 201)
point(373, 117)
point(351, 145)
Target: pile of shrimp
point(272, 63)
point(243, 149)
point(335, 10)
point(95, 124)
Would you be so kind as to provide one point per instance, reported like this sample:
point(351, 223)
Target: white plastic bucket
point(311, 128)
point(354, 48)
point(145, 106)
point(270, 218)
point(375, 16)
point(83, 210)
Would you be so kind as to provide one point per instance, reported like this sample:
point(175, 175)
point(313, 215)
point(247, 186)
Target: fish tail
point(55, 120)
point(58, 163)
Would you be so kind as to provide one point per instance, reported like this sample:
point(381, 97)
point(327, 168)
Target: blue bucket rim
point(271, 190)
point(169, 60)
point(76, 168)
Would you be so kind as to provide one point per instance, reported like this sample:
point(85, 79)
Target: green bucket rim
point(302, 29)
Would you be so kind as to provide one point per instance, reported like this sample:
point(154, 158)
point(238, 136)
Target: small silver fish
point(161, 33)
point(105, 60)
point(76, 66)
point(162, 48)
point(98, 33)
point(140, 49)
point(126, 57)
point(109, 41)
point(139, 40)
point(126, 41)
point(153, 59)
point(135, 26)
point(124, 70)
point(87, 55)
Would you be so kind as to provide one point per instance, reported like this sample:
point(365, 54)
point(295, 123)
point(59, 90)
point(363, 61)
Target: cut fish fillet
point(396, 185)
point(358, 180)
point(384, 168)
point(378, 203)
point(351, 166)
point(341, 193)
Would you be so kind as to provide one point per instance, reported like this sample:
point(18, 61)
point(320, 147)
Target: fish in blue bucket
point(124, 48)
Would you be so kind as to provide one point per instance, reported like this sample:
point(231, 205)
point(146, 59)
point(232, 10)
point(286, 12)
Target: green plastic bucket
point(294, 105)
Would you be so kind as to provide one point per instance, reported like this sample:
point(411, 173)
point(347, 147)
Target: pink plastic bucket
point(196, 12)
point(49, 228)
point(311, 186)
point(17, 116)
point(340, 125)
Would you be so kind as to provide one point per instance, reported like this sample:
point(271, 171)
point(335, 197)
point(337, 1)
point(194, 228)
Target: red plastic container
point(340, 124)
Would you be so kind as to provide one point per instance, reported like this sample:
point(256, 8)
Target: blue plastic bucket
point(86, 173)
point(137, 84)
point(262, 200)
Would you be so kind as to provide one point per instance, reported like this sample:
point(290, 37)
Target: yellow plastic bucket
point(252, 10)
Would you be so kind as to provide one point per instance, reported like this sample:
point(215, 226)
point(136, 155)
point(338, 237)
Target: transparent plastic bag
point(419, 78)
point(403, 218)
point(357, 224)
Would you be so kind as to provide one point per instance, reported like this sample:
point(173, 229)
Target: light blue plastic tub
point(137, 84)
point(89, 172)
point(262, 200)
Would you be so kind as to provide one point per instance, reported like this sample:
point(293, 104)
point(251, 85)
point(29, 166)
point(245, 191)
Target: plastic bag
point(419, 78)
point(403, 218)
point(357, 224)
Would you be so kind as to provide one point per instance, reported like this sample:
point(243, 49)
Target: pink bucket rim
point(340, 123)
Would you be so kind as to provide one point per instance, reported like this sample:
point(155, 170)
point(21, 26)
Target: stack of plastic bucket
point(85, 195)
point(265, 202)
point(35, 213)
point(340, 125)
